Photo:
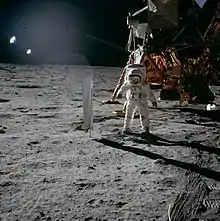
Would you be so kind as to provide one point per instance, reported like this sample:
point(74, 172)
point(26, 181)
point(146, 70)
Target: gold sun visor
point(136, 67)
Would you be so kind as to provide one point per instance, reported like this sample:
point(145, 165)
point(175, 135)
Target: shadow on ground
point(155, 140)
point(158, 141)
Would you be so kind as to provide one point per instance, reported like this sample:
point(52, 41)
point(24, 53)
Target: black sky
point(103, 31)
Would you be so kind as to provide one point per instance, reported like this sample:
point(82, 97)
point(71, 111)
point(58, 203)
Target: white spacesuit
point(137, 94)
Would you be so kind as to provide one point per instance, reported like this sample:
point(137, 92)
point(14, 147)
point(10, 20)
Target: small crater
point(47, 116)
point(28, 86)
point(85, 185)
point(6, 183)
point(33, 143)
point(2, 131)
point(2, 100)
point(50, 108)
point(120, 204)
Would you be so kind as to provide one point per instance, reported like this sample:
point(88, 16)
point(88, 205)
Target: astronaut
point(137, 94)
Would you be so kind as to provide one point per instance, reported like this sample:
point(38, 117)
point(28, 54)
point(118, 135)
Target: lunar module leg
point(198, 73)
point(170, 89)
point(117, 88)
point(120, 113)
point(212, 36)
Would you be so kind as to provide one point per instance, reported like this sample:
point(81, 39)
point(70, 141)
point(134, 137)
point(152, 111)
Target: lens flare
point(12, 40)
point(28, 51)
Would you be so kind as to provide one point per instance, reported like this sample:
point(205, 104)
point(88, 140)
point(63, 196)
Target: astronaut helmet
point(135, 76)
point(136, 69)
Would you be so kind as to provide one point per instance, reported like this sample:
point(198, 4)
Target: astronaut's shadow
point(149, 139)
point(209, 173)
point(152, 139)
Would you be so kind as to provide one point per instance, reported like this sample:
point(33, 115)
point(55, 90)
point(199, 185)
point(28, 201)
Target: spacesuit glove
point(154, 104)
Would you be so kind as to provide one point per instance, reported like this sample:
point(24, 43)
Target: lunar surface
point(52, 170)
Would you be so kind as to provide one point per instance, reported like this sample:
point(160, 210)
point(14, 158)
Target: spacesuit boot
point(146, 132)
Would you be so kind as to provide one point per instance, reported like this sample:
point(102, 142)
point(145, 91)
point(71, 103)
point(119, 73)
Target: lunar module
point(181, 59)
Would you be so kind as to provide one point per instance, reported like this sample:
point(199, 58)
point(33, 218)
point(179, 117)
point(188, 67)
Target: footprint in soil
point(81, 186)
point(91, 201)
point(160, 161)
point(42, 216)
point(120, 204)
point(168, 181)
point(33, 143)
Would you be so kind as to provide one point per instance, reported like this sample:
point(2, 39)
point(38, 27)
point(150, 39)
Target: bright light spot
point(210, 107)
point(12, 40)
point(28, 51)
